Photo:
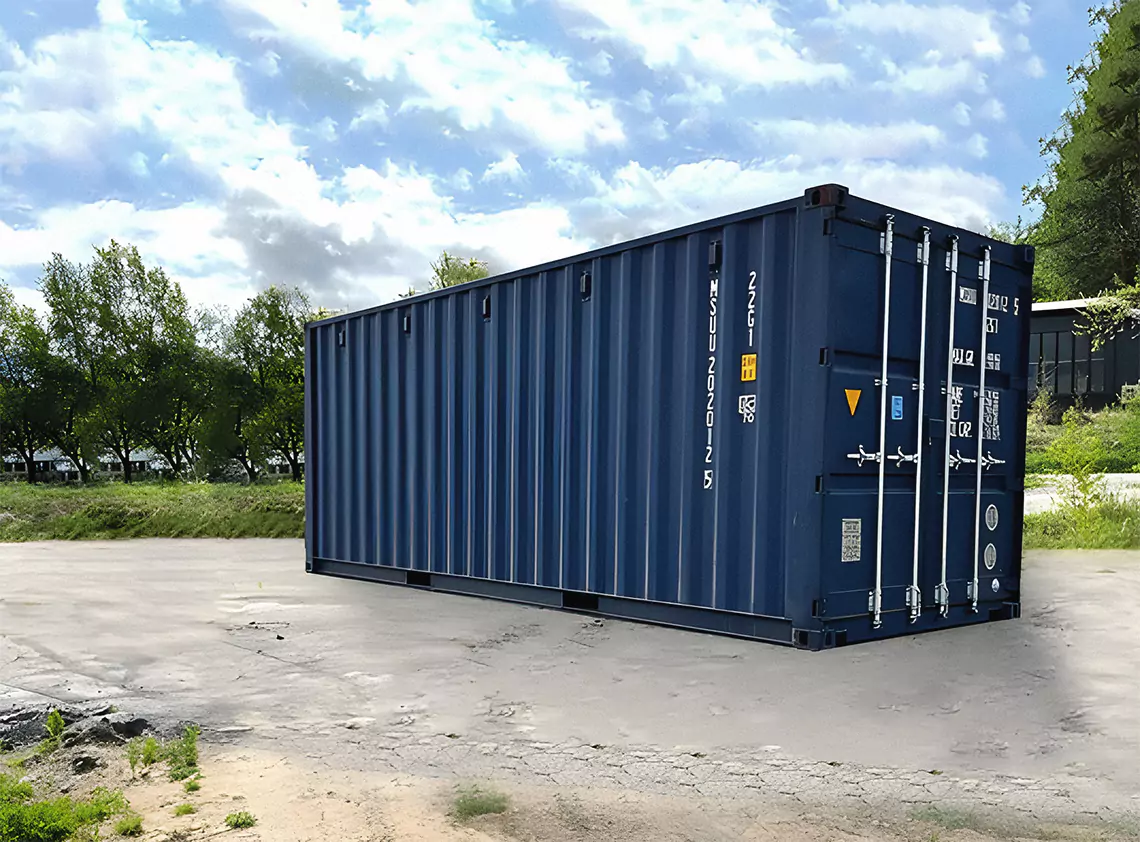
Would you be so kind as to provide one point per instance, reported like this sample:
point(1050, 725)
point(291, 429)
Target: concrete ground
point(1039, 715)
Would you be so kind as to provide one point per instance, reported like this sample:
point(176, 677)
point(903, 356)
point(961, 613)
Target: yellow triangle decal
point(853, 398)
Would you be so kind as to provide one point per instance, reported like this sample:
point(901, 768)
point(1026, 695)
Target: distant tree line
point(121, 363)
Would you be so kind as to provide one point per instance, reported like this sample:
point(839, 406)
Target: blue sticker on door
point(896, 408)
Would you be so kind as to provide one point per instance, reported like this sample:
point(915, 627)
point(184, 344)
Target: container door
point(919, 505)
point(877, 479)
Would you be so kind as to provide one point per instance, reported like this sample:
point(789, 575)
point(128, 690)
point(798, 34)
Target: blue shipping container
point(803, 423)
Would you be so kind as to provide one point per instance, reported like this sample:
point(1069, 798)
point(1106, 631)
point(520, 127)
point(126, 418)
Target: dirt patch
point(295, 800)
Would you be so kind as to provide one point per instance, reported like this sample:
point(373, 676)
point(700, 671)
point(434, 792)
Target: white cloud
point(182, 239)
point(962, 114)
point(269, 63)
point(1035, 67)
point(600, 64)
point(933, 78)
point(1021, 43)
point(992, 109)
point(462, 179)
point(453, 62)
point(375, 113)
point(75, 91)
point(734, 41)
point(325, 129)
point(639, 200)
point(642, 101)
point(506, 168)
point(658, 129)
point(697, 92)
point(578, 175)
point(953, 30)
point(137, 164)
point(839, 140)
point(1020, 13)
point(977, 146)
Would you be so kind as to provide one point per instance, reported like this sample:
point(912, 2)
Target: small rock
point(83, 763)
point(93, 730)
point(280, 637)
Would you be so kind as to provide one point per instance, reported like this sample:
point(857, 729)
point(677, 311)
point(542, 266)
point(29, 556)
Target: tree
point(25, 407)
point(1088, 238)
point(269, 342)
point(260, 382)
point(77, 348)
point(1015, 233)
point(450, 271)
point(125, 333)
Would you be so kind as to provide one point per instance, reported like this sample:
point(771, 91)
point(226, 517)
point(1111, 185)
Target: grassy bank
point(1113, 524)
point(151, 510)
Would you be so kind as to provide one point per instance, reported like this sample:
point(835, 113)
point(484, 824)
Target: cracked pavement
point(1037, 715)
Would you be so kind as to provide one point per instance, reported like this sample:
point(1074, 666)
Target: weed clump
point(185, 810)
point(129, 826)
point(239, 821)
point(473, 801)
point(24, 819)
point(182, 754)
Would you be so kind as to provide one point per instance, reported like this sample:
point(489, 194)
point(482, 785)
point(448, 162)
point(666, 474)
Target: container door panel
point(873, 427)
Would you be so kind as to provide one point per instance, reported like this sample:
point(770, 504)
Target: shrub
point(129, 826)
point(238, 821)
point(182, 754)
point(1079, 451)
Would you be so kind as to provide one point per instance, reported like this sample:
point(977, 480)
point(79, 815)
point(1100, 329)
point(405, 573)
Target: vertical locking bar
point(914, 594)
point(876, 600)
point(981, 422)
point(942, 594)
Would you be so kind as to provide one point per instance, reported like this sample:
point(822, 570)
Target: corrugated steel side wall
point(562, 442)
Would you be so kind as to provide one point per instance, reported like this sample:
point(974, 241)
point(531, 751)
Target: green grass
point(192, 785)
point(238, 821)
point(185, 810)
point(23, 818)
point(151, 510)
point(129, 826)
point(1111, 525)
point(473, 801)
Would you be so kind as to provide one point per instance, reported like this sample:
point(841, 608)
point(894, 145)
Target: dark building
point(1065, 363)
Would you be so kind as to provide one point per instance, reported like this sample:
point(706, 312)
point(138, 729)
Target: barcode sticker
point(852, 540)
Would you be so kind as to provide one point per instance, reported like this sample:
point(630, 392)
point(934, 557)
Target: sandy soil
point(295, 801)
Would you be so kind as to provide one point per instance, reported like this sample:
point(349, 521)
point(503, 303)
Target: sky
point(341, 145)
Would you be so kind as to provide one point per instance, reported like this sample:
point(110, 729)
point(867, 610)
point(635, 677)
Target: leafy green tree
point(268, 342)
point(450, 271)
point(1089, 235)
point(1015, 233)
point(25, 407)
point(259, 410)
point(125, 331)
point(228, 428)
point(76, 349)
